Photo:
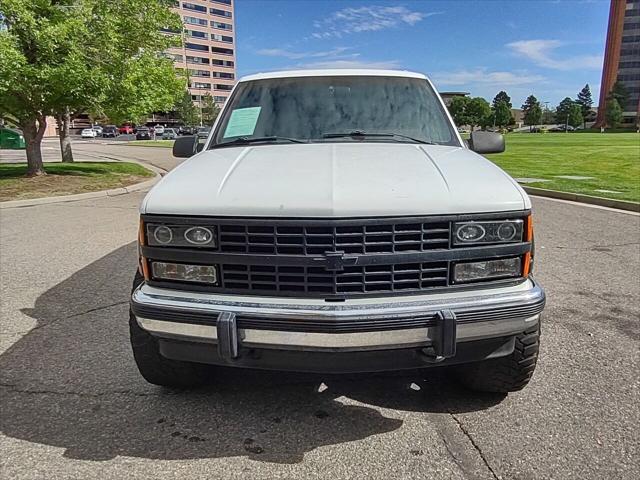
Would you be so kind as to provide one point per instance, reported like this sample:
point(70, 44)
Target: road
point(74, 406)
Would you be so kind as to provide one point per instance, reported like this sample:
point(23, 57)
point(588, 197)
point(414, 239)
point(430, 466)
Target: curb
point(580, 198)
point(84, 196)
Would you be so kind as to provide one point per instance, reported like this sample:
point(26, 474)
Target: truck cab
point(334, 221)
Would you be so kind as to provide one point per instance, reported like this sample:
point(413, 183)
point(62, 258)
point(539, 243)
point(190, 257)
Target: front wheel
point(505, 374)
point(154, 367)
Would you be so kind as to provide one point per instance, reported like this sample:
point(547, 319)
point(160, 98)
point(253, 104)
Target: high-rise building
point(208, 54)
point(622, 59)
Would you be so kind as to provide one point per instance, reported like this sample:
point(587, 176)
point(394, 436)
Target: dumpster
point(11, 139)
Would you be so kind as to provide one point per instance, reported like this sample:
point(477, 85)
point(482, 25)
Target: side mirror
point(185, 147)
point(486, 142)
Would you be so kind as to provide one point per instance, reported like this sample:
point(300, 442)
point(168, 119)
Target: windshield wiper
point(249, 140)
point(361, 134)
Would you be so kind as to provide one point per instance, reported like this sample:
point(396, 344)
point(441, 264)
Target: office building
point(622, 59)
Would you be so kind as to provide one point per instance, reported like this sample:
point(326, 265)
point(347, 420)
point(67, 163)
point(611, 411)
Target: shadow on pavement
point(71, 382)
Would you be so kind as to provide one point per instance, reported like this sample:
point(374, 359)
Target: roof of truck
point(333, 73)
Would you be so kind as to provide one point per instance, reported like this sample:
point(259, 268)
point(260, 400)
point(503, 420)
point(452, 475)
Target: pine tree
point(613, 113)
point(532, 111)
point(502, 97)
point(585, 101)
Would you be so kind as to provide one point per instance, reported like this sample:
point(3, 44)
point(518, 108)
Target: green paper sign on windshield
point(242, 122)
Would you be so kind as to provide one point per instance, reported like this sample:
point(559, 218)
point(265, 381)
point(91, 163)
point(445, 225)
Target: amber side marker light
point(144, 264)
point(528, 237)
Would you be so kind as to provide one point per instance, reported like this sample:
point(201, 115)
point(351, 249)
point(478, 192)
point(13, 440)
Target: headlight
point(477, 233)
point(485, 270)
point(184, 273)
point(180, 235)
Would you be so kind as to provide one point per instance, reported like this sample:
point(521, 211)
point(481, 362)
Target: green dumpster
point(10, 138)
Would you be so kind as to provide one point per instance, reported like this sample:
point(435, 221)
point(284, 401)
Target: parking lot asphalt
point(73, 405)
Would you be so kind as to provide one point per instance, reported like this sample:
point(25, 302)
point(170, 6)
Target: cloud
point(382, 64)
point(481, 76)
point(541, 53)
point(281, 52)
point(367, 19)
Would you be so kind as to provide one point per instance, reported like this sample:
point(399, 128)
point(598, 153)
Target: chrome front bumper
point(353, 325)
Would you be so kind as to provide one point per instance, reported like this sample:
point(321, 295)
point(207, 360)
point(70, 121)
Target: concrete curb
point(588, 199)
point(84, 196)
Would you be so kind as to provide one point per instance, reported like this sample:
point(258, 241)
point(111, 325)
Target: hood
point(335, 180)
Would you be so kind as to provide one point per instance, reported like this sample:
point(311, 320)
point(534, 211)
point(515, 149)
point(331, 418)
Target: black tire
point(505, 374)
point(157, 369)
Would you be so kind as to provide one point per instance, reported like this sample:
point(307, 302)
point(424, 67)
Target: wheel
point(505, 374)
point(157, 369)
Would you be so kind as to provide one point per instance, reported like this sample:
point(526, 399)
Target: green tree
point(532, 112)
point(209, 108)
point(187, 111)
point(575, 115)
point(502, 97)
point(458, 110)
point(563, 110)
point(613, 114)
point(620, 93)
point(477, 109)
point(62, 57)
point(501, 114)
point(585, 101)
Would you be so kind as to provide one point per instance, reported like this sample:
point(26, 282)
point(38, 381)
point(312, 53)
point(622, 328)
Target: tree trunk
point(33, 131)
point(64, 126)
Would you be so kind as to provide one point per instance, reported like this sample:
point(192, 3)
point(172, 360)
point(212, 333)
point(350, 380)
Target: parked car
point(203, 132)
point(88, 133)
point(159, 129)
point(110, 131)
point(11, 139)
point(186, 130)
point(98, 129)
point(125, 129)
point(562, 128)
point(169, 134)
point(337, 237)
point(143, 133)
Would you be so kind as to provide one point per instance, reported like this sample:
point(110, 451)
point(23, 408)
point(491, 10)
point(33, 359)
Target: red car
point(125, 129)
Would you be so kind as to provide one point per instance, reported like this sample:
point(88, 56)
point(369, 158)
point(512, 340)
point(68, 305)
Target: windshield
point(321, 109)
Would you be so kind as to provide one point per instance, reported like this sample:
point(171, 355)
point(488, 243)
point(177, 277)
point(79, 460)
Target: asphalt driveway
point(74, 407)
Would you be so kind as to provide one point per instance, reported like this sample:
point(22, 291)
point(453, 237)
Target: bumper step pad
point(227, 336)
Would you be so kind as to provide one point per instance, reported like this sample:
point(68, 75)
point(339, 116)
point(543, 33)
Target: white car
point(159, 130)
point(335, 221)
point(88, 133)
point(98, 129)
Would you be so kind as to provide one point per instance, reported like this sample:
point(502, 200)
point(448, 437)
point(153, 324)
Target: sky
point(550, 49)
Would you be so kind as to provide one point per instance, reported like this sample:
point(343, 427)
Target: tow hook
point(444, 341)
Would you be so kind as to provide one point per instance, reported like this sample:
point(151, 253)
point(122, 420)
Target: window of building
point(196, 46)
point(197, 34)
point(222, 51)
point(176, 57)
point(629, 77)
point(195, 21)
point(631, 39)
point(635, 12)
point(225, 2)
point(222, 63)
point(221, 38)
point(220, 86)
point(631, 26)
point(219, 99)
point(200, 60)
point(220, 13)
point(199, 73)
point(196, 98)
point(229, 76)
point(222, 26)
point(201, 85)
point(622, 65)
point(194, 7)
point(169, 30)
point(629, 52)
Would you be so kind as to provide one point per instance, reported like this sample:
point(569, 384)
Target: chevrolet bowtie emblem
point(336, 261)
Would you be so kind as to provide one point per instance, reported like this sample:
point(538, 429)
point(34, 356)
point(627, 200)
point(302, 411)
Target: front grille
point(353, 238)
point(317, 280)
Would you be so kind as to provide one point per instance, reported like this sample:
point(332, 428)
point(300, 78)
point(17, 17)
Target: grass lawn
point(612, 159)
point(67, 178)
point(152, 143)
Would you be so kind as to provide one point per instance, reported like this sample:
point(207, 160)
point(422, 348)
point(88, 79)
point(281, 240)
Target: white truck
point(335, 221)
